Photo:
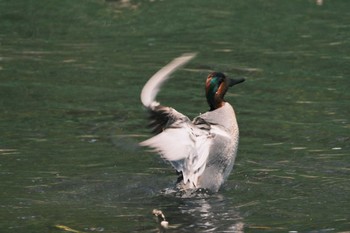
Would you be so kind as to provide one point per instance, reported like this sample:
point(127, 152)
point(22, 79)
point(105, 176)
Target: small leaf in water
point(65, 228)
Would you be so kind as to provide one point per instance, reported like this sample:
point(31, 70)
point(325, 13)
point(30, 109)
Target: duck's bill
point(234, 81)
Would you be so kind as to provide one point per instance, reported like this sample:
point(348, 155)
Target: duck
point(202, 150)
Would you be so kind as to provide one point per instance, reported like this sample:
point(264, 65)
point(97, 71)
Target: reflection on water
point(200, 211)
point(211, 214)
point(132, 202)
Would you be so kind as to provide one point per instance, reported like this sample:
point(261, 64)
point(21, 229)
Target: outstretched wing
point(153, 85)
point(160, 116)
point(178, 140)
point(185, 146)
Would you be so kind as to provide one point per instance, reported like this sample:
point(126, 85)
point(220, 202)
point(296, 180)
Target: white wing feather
point(151, 88)
point(181, 142)
point(186, 151)
point(173, 144)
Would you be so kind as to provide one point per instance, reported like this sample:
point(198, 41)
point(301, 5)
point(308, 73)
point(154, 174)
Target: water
point(70, 120)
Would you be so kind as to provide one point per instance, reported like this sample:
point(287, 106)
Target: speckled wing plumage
point(178, 140)
point(185, 146)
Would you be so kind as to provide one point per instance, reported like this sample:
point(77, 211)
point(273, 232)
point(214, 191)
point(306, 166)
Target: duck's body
point(202, 150)
point(223, 146)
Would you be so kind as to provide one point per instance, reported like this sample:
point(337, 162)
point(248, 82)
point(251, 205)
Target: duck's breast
point(223, 149)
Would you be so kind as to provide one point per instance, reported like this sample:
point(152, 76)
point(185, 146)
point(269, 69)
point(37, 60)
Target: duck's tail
point(152, 87)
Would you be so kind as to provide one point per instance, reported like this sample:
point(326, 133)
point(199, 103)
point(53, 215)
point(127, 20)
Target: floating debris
point(65, 228)
point(163, 224)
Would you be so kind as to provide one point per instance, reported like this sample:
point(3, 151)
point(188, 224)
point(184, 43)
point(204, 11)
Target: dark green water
point(70, 77)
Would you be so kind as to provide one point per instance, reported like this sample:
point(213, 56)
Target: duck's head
point(216, 86)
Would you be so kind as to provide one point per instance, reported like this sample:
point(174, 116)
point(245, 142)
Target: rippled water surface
point(70, 120)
